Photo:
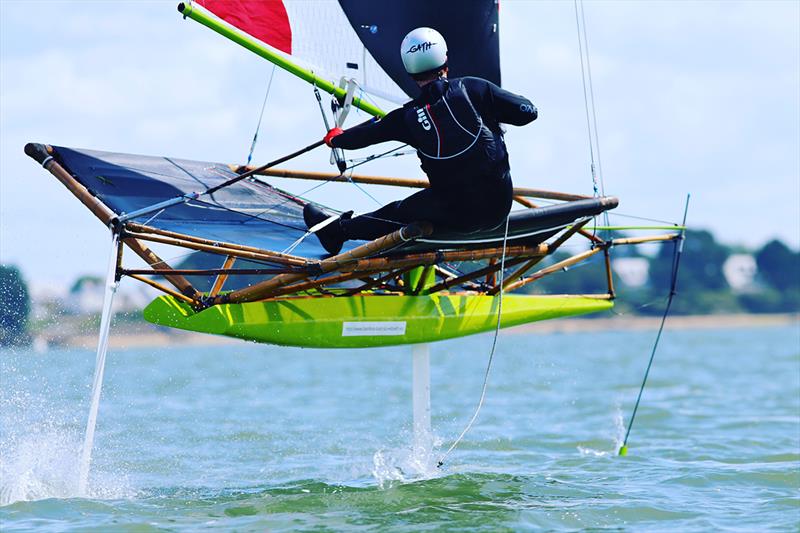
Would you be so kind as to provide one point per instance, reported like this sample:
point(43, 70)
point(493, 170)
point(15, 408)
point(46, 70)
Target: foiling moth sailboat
point(264, 277)
point(403, 288)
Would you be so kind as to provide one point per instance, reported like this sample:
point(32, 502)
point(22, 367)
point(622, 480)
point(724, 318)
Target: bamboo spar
point(337, 262)
point(554, 268)
point(397, 182)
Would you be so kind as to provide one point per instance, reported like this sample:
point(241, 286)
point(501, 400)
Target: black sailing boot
point(332, 236)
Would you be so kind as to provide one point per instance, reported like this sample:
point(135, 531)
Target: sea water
point(250, 438)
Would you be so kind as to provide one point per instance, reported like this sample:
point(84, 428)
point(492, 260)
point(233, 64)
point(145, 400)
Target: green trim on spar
point(369, 320)
point(624, 228)
point(268, 53)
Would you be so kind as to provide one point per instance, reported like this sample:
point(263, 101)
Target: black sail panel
point(470, 28)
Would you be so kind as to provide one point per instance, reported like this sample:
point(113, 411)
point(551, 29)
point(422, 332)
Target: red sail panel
point(266, 21)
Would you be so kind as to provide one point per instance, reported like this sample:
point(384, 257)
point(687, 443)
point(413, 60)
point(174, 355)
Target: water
point(248, 438)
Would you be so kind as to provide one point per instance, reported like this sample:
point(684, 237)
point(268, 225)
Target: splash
point(39, 465)
point(619, 437)
point(406, 464)
point(43, 463)
point(619, 424)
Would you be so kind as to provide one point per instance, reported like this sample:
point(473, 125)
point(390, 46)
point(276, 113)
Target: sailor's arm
point(389, 128)
point(508, 107)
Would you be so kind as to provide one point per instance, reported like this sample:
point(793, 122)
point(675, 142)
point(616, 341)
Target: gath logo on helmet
point(423, 50)
point(420, 47)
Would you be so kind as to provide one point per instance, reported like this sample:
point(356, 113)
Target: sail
point(360, 39)
point(315, 35)
point(470, 29)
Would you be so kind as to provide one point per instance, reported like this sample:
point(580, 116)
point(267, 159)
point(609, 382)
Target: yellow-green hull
point(368, 320)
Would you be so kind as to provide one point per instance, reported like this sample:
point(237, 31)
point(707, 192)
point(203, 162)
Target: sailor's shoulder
point(473, 86)
point(400, 116)
point(472, 82)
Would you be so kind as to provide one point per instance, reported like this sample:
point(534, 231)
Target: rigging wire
point(359, 187)
point(589, 104)
point(591, 98)
point(337, 154)
point(322, 184)
point(388, 153)
point(491, 353)
point(376, 156)
point(260, 117)
point(646, 219)
point(676, 258)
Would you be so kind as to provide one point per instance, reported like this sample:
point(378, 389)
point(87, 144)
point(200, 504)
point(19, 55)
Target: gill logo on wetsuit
point(422, 118)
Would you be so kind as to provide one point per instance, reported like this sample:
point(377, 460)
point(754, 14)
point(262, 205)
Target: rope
point(261, 116)
point(491, 354)
point(676, 258)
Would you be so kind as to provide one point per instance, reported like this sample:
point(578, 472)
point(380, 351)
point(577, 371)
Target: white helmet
point(423, 50)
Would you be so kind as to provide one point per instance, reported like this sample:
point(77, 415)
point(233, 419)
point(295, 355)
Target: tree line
point(702, 287)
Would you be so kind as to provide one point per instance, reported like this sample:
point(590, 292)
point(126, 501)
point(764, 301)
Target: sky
point(699, 98)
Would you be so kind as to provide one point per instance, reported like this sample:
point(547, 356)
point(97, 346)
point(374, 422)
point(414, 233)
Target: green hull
point(367, 321)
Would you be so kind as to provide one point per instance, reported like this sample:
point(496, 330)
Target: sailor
point(455, 126)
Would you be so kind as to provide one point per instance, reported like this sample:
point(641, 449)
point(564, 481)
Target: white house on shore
point(633, 271)
point(86, 296)
point(740, 272)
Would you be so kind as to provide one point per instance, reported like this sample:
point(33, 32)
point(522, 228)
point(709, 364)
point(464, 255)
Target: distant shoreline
point(638, 323)
point(146, 335)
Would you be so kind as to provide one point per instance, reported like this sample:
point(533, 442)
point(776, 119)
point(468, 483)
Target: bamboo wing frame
point(287, 275)
point(44, 155)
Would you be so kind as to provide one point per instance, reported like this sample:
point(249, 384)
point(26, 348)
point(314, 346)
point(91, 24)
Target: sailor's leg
point(485, 204)
point(423, 205)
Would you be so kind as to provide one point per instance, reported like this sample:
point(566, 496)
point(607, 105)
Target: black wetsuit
point(470, 185)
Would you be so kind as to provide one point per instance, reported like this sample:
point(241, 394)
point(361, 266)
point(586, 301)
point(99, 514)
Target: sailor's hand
point(335, 132)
